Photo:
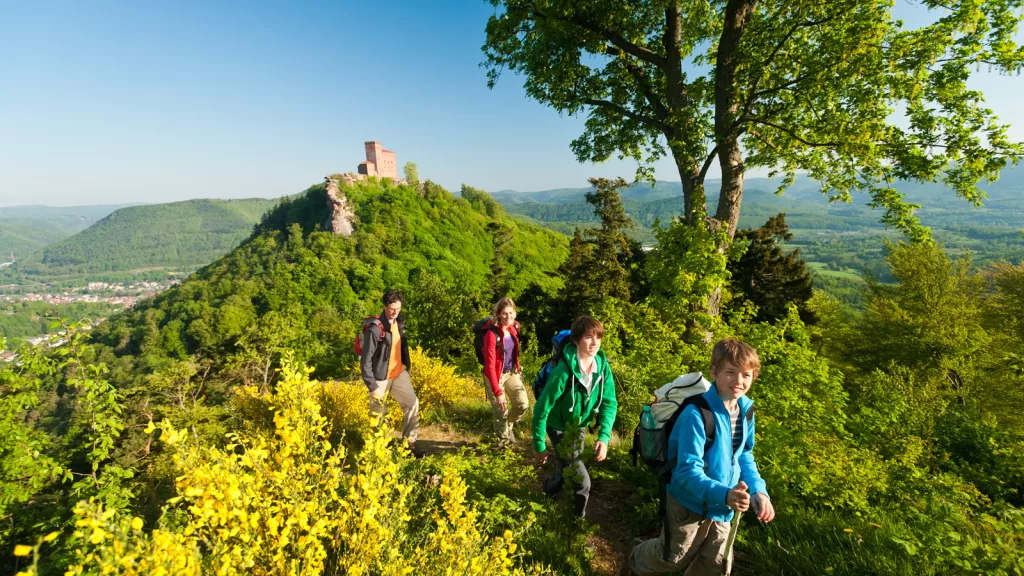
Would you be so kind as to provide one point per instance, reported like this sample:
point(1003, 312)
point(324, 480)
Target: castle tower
point(373, 152)
point(379, 162)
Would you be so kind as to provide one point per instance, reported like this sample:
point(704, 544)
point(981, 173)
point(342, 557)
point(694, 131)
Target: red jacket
point(494, 353)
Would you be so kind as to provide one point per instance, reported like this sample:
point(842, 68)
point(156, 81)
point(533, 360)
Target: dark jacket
point(494, 353)
point(377, 352)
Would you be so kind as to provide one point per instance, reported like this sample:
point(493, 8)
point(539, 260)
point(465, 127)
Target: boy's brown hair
point(739, 354)
point(586, 326)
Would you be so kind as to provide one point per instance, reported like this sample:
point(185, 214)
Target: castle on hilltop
point(379, 162)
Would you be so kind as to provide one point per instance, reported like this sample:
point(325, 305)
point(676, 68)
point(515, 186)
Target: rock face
point(339, 214)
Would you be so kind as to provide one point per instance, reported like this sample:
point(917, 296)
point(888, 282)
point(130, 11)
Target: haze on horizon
point(117, 102)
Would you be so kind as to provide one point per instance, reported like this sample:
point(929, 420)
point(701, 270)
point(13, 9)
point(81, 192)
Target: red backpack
point(367, 322)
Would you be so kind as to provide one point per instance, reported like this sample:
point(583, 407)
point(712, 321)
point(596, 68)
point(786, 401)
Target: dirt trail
point(612, 539)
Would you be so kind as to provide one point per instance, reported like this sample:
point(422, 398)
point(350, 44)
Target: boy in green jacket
point(579, 389)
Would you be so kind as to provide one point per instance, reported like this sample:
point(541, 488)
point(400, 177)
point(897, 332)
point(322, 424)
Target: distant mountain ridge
point(25, 229)
point(803, 202)
point(1009, 187)
point(179, 236)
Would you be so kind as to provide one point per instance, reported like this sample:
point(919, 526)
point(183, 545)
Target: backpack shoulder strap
point(709, 420)
point(374, 320)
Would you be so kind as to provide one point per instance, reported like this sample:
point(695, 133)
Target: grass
point(822, 269)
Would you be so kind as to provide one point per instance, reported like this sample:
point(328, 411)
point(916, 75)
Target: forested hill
point(294, 286)
point(25, 229)
point(179, 236)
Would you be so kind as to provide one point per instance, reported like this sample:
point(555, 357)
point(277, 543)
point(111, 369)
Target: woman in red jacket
point(503, 380)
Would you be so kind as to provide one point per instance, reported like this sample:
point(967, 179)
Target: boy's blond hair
point(739, 354)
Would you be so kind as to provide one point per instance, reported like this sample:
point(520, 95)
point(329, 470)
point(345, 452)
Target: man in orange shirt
point(385, 366)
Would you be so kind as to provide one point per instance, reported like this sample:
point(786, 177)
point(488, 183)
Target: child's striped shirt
point(737, 428)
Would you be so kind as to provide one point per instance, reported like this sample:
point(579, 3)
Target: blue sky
point(111, 102)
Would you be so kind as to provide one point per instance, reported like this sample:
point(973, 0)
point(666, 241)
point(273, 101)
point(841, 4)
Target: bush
point(285, 501)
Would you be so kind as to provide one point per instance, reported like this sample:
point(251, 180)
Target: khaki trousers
point(401, 390)
point(511, 386)
point(696, 544)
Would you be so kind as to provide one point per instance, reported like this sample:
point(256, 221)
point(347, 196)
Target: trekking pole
point(734, 528)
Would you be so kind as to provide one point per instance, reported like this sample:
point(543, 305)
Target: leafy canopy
point(841, 90)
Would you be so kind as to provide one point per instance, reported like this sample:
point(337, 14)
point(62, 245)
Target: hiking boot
point(416, 452)
point(627, 570)
point(502, 444)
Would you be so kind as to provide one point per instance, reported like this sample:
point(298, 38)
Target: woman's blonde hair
point(502, 304)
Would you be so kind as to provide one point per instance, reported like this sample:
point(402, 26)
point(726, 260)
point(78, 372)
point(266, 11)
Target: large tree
point(839, 89)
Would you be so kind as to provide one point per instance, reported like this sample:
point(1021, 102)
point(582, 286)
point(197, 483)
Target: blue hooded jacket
point(702, 485)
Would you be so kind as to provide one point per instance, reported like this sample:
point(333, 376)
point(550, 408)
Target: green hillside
point(154, 239)
point(26, 229)
point(293, 285)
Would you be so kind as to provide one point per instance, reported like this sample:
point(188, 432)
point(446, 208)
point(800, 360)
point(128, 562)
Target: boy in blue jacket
point(707, 487)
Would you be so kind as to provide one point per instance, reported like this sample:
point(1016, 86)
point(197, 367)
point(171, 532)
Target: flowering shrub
point(437, 384)
point(285, 502)
point(346, 405)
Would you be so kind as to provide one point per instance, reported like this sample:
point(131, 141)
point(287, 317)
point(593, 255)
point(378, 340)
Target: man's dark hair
point(391, 296)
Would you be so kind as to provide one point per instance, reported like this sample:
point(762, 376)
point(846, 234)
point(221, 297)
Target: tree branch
point(612, 36)
point(641, 80)
point(755, 94)
point(707, 164)
point(790, 133)
point(623, 111)
point(672, 42)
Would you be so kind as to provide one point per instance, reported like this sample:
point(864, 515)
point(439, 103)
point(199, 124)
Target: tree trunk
point(694, 203)
point(730, 158)
point(727, 104)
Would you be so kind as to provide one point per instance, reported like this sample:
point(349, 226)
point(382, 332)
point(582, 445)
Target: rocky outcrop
point(339, 214)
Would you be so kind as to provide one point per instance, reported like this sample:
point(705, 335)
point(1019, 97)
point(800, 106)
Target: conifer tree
point(767, 276)
point(600, 258)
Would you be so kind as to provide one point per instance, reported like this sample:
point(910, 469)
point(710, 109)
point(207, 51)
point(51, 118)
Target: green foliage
point(412, 173)
point(482, 202)
point(601, 260)
point(792, 87)
point(26, 464)
point(21, 320)
point(686, 268)
point(936, 540)
point(910, 320)
point(766, 276)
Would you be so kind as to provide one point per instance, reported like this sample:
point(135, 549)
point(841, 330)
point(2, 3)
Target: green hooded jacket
point(565, 398)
